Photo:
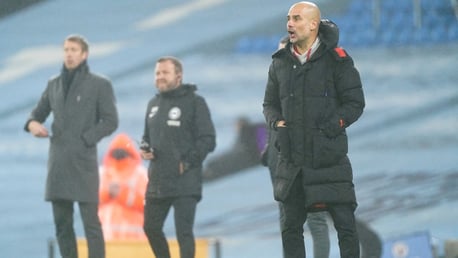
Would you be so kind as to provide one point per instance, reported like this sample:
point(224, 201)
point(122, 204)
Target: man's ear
point(314, 25)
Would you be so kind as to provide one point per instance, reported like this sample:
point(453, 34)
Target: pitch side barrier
point(205, 248)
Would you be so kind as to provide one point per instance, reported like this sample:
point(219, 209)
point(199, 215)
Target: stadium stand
point(380, 23)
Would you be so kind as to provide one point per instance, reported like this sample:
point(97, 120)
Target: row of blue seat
point(396, 26)
point(402, 5)
point(397, 23)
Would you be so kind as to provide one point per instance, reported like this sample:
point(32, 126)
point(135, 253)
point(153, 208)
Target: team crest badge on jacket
point(174, 115)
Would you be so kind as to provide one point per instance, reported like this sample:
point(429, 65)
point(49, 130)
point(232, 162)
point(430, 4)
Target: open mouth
point(292, 34)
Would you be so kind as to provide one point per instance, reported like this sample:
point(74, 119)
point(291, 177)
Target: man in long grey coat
point(84, 111)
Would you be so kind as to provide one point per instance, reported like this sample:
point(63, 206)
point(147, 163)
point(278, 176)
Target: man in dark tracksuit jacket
point(178, 135)
point(313, 93)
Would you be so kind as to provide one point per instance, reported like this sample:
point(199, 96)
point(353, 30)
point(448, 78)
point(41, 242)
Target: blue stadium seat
point(452, 31)
point(439, 34)
point(397, 26)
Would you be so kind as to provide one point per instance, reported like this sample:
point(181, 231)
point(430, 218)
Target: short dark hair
point(80, 40)
point(176, 62)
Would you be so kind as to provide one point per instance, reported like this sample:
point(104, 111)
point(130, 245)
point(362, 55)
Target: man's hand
point(37, 129)
point(281, 123)
point(147, 155)
point(182, 168)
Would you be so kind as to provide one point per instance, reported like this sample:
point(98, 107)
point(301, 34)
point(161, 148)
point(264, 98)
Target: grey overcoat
point(81, 120)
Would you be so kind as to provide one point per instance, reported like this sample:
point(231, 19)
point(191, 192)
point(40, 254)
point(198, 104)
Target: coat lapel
point(74, 92)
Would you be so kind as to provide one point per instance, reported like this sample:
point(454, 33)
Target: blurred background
point(403, 149)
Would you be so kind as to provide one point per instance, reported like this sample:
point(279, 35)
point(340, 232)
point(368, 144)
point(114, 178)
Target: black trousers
point(65, 234)
point(156, 211)
point(293, 215)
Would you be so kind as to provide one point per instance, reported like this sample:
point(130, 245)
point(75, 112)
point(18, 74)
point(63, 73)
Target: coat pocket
point(283, 143)
point(327, 151)
point(284, 177)
point(330, 194)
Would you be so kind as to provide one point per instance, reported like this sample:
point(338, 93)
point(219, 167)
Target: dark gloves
point(283, 143)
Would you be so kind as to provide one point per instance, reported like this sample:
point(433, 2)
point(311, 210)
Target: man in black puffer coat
point(313, 93)
point(179, 133)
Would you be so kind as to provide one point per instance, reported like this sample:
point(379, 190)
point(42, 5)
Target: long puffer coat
point(318, 100)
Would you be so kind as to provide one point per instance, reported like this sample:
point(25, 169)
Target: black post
point(217, 249)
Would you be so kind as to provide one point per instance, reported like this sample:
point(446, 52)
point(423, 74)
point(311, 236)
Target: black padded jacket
point(318, 100)
point(179, 128)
